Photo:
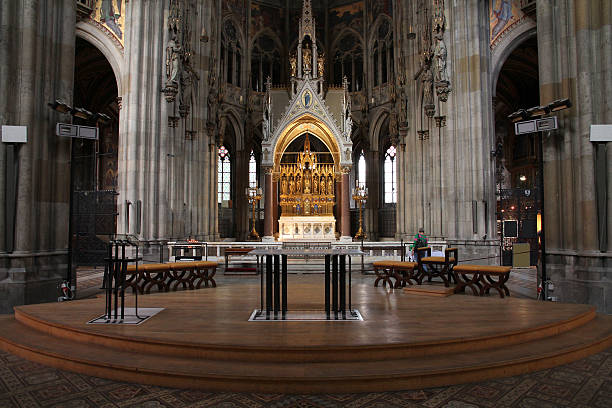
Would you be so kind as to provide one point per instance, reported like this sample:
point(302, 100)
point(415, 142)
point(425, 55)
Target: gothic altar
point(307, 191)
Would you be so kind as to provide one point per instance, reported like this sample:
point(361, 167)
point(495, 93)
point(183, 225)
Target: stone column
point(149, 155)
point(574, 58)
point(275, 210)
point(37, 54)
point(345, 220)
point(268, 209)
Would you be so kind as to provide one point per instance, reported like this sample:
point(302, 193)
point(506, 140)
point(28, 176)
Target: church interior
point(357, 202)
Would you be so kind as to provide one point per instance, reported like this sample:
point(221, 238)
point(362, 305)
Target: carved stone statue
point(330, 185)
point(321, 65)
point(298, 184)
point(440, 56)
point(293, 64)
point(427, 88)
point(315, 185)
point(393, 126)
point(173, 52)
point(291, 186)
point(284, 186)
point(307, 59)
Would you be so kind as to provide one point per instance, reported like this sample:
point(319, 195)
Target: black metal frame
point(114, 280)
point(275, 286)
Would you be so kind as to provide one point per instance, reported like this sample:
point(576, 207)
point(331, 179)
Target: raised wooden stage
point(203, 340)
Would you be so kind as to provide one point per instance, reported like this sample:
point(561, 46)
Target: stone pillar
point(345, 220)
point(37, 54)
point(578, 261)
point(275, 205)
point(268, 209)
point(150, 150)
point(450, 183)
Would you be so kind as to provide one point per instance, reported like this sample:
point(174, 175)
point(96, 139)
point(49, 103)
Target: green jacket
point(420, 240)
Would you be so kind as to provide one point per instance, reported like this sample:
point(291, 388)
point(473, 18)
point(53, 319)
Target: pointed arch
point(107, 47)
point(306, 123)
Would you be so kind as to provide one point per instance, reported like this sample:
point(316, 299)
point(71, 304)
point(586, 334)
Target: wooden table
point(483, 279)
point(276, 280)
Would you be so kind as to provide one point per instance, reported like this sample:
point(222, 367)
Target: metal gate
point(520, 205)
point(94, 219)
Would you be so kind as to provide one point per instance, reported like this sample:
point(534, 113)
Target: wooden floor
point(203, 339)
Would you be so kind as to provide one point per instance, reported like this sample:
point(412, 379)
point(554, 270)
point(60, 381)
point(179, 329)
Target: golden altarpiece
point(307, 197)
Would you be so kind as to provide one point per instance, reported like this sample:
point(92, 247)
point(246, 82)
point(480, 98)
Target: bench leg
point(492, 283)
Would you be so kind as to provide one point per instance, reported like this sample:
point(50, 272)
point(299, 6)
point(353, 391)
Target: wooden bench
point(170, 276)
point(436, 266)
point(402, 272)
point(483, 279)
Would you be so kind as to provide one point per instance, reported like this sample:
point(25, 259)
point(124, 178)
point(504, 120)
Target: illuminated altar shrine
point(307, 198)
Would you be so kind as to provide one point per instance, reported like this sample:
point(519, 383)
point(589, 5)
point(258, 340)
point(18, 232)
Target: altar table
point(335, 280)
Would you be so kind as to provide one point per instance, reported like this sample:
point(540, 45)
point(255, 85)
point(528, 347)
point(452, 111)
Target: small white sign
point(601, 133)
point(546, 124)
point(527, 126)
point(77, 131)
point(14, 134)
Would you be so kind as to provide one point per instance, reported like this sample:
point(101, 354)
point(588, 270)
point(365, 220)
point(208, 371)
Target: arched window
point(252, 170)
point(231, 54)
point(348, 61)
point(389, 176)
point(383, 54)
point(265, 62)
point(224, 175)
point(361, 170)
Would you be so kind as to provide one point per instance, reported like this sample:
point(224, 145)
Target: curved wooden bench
point(483, 279)
point(170, 276)
point(384, 271)
point(409, 272)
point(436, 266)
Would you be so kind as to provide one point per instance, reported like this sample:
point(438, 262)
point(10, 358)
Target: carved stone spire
point(307, 22)
point(307, 43)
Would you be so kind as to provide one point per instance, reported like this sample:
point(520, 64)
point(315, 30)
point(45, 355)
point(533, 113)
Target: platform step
point(427, 290)
point(304, 377)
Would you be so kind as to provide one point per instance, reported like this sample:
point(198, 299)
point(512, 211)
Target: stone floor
point(585, 383)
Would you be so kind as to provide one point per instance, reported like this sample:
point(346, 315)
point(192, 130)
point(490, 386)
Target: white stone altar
point(313, 227)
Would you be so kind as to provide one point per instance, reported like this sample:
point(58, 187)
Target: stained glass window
point(224, 175)
point(389, 172)
point(361, 170)
point(252, 171)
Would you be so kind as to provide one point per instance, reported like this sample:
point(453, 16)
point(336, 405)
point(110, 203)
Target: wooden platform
point(203, 340)
point(429, 290)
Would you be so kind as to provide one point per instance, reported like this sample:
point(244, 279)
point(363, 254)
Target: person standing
point(420, 240)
